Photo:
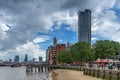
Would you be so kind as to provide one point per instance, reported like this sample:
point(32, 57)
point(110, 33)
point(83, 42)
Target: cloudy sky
point(28, 26)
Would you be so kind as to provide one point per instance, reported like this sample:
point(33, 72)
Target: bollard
point(84, 72)
point(110, 75)
point(27, 69)
point(93, 73)
point(89, 72)
point(103, 74)
point(48, 68)
point(41, 69)
point(45, 69)
point(35, 69)
point(31, 69)
point(38, 69)
point(98, 71)
point(118, 73)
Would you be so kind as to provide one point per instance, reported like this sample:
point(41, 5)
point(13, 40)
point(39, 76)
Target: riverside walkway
point(63, 74)
point(104, 74)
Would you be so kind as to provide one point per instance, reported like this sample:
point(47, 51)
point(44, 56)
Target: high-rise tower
point(84, 26)
point(26, 58)
point(54, 41)
point(16, 59)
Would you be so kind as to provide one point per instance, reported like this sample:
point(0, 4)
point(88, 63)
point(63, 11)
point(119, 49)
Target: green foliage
point(79, 52)
point(64, 56)
point(83, 52)
point(106, 49)
point(116, 46)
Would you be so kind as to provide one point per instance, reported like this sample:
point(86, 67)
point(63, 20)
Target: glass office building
point(84, 26)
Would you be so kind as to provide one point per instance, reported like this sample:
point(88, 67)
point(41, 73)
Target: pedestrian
point(102, 65)
point(110, 66)
point(118, 66)
point(114, 65)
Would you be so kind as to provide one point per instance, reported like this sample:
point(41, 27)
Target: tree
point(81, 52)
point(91, 55)
point(116, 47)
point(106, 49)
point(64, 56)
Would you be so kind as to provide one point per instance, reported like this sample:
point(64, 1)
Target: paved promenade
point(62, 74)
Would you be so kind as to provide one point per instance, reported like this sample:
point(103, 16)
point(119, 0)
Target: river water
point(19, 73)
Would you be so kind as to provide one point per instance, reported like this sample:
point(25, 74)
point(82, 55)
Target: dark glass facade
point(16, 59)
point(26, 58)
point(40, 59)
point(84, 26)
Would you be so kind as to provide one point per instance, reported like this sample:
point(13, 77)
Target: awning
point(101, 61)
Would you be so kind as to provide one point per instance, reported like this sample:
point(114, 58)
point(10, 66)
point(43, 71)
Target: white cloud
point(94, 38)
point(41, 39)
point(60, 41)
point(33, 51)
point(3, 29)
point(105, 25)
point(65, 17)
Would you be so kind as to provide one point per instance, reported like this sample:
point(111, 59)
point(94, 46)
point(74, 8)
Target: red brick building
point(53, 51)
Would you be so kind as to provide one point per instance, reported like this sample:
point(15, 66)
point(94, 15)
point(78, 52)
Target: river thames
point(19, 73)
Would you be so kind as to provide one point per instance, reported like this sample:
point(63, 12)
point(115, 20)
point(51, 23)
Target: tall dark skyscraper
point(84, 26)
point(16, 59)
point(40, 59)
point(26, 58)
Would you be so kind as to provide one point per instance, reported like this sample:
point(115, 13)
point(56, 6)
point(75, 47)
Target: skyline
point(29, 26)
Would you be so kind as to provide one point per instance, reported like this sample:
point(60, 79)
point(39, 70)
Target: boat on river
point(16, 65)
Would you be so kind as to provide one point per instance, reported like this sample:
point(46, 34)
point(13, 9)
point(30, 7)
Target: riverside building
point(53, 51)
point(84, 26)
